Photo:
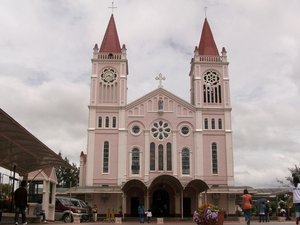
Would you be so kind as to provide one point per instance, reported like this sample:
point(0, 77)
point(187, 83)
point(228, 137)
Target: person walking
point(247, 206)
point(296, 197)
point(20, 197)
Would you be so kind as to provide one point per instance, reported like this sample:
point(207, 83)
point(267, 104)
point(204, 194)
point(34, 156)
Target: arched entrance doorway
point(164, 196)
point(160, 203)
point(191, 200)
point(135, 192)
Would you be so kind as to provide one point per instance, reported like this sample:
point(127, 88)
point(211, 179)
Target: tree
point(5, 190)
point(295, 170)
point(67, 177)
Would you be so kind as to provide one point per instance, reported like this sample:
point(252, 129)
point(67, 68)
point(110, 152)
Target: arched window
point(114, 122)
point(100, 121)
point(107, 122)
point(169, 156)
point(213, 124)
point(205, 123)
point(160, 157)
point(105, 157)
point(152, 156)
point(135, 161)
point(185, 161)
point(214, 158)
point(220, 124)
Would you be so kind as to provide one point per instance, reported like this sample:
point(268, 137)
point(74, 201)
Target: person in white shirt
point(296, 197)
point(149, 215)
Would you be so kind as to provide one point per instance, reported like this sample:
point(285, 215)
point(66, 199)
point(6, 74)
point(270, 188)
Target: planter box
point(281, 218)
point(241, 219)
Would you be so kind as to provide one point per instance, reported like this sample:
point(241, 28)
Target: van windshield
point(78, 203)
point(83, 204)
point(66, 202)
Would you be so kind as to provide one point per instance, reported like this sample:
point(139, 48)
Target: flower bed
point(208, 215)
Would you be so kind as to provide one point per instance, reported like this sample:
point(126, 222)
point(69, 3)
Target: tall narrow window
point(220, 91)
point(107, 122)
point(160, 157)
point(213, 124)
point(214, 157)
point(135, 160)
point(212, 87)
point(185, 161)
point(100, 121)
point(205, 123)
point(169, 156)
point(105, 157)
point(152, 156)
point(220, 124)
point(114, 122)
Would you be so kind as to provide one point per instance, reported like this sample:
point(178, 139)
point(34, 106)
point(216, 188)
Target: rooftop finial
point(112, 7)
point(160, 77)
point(205, 11)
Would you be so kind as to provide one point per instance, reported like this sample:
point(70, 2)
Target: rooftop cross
point(112, 7)
point(160, 77)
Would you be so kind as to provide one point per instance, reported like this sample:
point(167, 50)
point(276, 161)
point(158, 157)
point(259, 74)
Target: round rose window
point(160, 130)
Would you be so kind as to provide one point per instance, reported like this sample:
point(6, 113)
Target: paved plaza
point(186, 222)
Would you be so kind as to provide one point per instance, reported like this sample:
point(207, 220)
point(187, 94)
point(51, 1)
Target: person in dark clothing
point(141, 213)
point(20, 197)
point(267, 212)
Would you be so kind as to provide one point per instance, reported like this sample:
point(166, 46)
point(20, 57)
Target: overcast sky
point(45, 69)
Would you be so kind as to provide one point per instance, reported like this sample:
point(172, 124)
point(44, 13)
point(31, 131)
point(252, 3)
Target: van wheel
point(68, 218)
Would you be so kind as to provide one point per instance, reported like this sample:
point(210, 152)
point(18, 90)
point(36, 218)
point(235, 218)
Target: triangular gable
point(164, 94)
point(44, 174)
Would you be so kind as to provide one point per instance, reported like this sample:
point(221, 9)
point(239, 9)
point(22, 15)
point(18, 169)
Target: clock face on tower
point(109, 75)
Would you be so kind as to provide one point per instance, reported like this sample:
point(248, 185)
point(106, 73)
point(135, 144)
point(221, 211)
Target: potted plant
point(240, 215)
point(208, 214)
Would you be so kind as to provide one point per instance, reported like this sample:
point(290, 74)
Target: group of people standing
point(142, 214)
point(264, 210)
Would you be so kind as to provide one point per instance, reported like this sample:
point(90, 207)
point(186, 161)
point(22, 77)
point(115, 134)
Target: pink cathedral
point(160, 151)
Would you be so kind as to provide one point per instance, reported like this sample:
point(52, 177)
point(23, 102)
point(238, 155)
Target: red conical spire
point(207, 45)
point(110, 41)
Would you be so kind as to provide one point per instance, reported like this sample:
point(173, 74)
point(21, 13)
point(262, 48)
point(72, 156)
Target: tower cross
point(112, 7)
point(160, 77)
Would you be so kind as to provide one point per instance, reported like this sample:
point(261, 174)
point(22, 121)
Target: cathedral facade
point(160, 151)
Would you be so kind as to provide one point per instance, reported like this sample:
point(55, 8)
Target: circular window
point(160, 130)
point(185, 130)
point(136, 129)
point(109, 75)
point(211, 78)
